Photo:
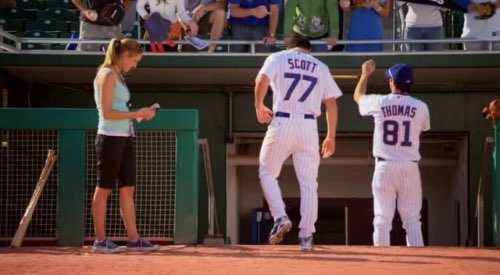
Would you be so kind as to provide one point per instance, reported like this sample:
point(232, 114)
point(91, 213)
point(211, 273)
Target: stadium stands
point(58, 18)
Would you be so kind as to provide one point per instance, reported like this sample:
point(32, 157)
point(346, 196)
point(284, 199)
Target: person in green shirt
point(314, 19)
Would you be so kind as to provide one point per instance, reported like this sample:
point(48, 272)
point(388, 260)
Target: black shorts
point(115, 161)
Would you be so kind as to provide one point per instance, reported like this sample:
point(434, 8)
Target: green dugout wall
point(171, 197)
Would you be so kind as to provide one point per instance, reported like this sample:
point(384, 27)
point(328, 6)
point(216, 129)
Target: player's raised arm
point(328, 147)
point(367, 69)
point(264, 114)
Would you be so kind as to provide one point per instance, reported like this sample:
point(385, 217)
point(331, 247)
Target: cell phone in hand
point(155, 107)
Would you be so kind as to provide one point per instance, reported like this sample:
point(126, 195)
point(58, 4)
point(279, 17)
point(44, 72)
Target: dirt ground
point(254, 259)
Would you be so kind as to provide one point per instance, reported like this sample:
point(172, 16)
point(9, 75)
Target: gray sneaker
point(306, 244)
point(281, 226)
point(106, 246)
point(142, 245)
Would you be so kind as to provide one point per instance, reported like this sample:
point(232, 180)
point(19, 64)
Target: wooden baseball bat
point(26, 219)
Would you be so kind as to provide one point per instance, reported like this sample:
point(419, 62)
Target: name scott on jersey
point(302, 64)
point(399, 110)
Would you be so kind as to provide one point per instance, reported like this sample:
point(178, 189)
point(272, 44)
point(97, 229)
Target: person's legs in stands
point(433, 33)
point(412, 33)
point(475, 46)
point(130, 18)
point(89, 32)
point(218, 22)
point(257, 33)
point(239, 32)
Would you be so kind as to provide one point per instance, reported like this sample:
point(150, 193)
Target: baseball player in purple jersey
point(300, 83)
point(399, 120)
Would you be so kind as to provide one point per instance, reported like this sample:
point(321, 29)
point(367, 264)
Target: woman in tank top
point(116, 161)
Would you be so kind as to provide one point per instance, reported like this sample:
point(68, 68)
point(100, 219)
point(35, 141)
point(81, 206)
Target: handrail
point(6, 47)
point(21, 40)
point(9, 35)
point(485, 164)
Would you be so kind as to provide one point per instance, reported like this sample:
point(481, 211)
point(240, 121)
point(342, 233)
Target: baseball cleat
point(306, 244)
point(281, 226)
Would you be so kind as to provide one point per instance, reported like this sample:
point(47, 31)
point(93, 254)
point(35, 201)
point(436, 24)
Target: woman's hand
point(146, 113)
point(193, 28)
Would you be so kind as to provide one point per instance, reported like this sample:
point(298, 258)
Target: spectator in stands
point(366, 22)
point(482, 29)
point(314, 19)
point(129, 20)
point(253, 20)
point(116, 163)
point(171, 11)
point(100, 19)
point(210, 16)
point(423, 22)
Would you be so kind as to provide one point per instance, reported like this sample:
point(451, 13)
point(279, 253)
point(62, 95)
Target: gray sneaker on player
point(281, 226)
point(142, 245)
point(106, 246)
point(306, 244)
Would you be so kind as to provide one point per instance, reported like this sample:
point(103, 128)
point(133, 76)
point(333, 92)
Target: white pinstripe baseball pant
point(397, 183)
point(298, 137)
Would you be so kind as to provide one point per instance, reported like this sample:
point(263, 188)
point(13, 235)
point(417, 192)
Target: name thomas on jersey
point(398, 110)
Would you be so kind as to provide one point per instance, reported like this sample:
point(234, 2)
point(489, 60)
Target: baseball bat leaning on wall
point(26, 219)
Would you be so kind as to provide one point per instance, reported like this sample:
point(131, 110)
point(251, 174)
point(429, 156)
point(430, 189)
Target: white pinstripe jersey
point(299, 81)
point(399, 120)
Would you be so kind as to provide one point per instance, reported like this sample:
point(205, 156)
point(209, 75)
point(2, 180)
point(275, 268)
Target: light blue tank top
point(121, 96)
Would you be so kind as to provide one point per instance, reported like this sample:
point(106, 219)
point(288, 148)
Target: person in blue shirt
point(254, 20)
point(366, 22)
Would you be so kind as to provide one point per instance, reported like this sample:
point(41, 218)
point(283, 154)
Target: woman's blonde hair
point(117, 47)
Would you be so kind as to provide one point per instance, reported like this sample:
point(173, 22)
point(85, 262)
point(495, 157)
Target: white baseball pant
point(397, 183)
point(298, 137)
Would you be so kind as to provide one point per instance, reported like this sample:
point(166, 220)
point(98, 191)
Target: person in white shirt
point(399, 120)
point(481, 29)
point(423, 22)
point(300, 84)
point(170, 10)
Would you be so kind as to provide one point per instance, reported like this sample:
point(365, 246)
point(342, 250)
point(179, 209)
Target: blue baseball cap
point(400, 73)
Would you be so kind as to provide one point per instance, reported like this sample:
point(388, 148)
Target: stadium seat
point(30, 4)
point(62, 46)
point(18, 14)
point(36, 46)
point(60, 4)
point(74, 26)
point(52, 26)
point(57, 14)
point(12, 26)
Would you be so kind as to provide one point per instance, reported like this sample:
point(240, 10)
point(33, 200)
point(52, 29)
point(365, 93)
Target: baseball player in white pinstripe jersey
point(399, 120)
point(300, 83)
